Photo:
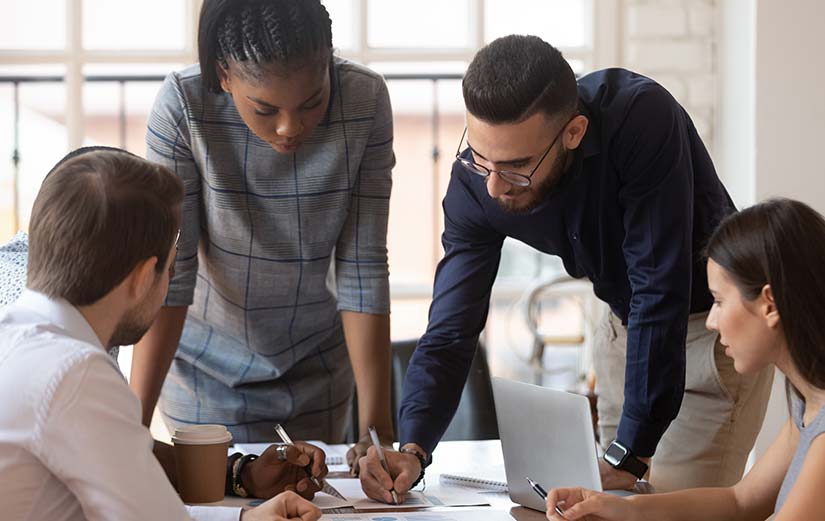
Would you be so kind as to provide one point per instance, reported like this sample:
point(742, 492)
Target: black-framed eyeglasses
point(514, 178)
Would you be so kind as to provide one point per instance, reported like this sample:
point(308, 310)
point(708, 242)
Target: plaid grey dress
point(272, 248)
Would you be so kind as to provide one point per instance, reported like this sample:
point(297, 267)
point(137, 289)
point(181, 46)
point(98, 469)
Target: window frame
point(601, 49)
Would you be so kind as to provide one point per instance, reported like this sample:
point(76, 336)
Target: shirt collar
point(588, 147)
point(590, 142)
point(60, 313)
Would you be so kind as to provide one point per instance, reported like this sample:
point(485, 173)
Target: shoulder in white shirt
point(72, 446)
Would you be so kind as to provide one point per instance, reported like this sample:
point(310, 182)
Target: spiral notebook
point(461, 480)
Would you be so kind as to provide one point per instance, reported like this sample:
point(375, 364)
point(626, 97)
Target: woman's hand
point(283, 507)
point(359, 450)
point(269, 475)
point(587, 505)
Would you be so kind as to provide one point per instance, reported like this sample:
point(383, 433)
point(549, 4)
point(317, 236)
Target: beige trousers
point(708, 443)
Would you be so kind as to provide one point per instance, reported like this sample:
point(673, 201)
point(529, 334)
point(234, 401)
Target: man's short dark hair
point(516, 76)
point(99, 213)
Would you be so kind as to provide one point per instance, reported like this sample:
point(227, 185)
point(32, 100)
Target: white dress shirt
point(72, 446)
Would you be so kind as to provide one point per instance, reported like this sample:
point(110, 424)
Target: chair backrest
point(475, 418)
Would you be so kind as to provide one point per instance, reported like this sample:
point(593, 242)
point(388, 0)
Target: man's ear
point(574, 132)
point(224, 78)
point(142, 278)
point(768, 306)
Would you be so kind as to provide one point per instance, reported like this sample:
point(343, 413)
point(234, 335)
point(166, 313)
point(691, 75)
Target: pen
point(324, 487)
point(543, 495)
point(377, 444)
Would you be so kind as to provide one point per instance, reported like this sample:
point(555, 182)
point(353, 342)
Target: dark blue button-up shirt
point(632, 214)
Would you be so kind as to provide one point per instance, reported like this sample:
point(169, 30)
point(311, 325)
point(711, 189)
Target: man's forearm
point(153, 356)
point(432, 391)
point(368, 344)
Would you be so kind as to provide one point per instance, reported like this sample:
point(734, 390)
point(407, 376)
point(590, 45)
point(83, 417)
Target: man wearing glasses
point(610, 175)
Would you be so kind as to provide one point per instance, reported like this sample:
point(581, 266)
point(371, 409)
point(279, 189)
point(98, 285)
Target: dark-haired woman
point(765, 274)
point(286, 154)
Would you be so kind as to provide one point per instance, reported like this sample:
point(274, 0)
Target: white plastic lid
point(201, 435)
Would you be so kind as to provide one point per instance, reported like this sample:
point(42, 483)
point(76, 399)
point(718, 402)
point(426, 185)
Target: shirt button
point(575, 236)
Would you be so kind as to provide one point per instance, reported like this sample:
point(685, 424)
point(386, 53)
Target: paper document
point(432, 496)
point(336, 454)
point(462, 515)
point(325, 501)
point(321, 500)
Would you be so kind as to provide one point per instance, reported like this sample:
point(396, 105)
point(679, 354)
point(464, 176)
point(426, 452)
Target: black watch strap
point(421, 460)
point(620, 457)
point(634, 465)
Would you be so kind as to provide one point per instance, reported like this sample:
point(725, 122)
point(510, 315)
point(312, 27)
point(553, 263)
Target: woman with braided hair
point(286, 154)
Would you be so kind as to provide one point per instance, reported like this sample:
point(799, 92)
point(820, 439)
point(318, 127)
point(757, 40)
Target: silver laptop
point(546, 435)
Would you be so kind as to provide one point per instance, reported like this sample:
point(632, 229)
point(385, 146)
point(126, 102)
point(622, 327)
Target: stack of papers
point(463, 515)
point(431, 496)
point(336, 454)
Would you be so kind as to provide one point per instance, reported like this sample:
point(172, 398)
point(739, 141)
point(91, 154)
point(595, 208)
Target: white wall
point(736, 136)
point(673, 42)
point(772, 116)
point(790, 100)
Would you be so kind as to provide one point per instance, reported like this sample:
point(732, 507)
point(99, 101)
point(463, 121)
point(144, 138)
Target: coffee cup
point(200, 455)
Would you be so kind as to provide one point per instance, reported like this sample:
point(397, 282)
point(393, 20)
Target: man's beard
point(540, 192)
point(131, 328)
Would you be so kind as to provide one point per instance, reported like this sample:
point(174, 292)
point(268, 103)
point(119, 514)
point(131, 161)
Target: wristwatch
point(619, 457)
point(421, 460)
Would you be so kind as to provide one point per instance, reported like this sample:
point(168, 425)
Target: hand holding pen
point(322, 485)
point(543, 495)
point(376, 442)
point(387, 475)
point(280, 468)
point(581, 503)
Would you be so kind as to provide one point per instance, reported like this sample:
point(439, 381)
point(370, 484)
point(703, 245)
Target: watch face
point(615, 454)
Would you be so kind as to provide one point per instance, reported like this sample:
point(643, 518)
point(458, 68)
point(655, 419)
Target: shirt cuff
point(420, 433)
point(214, 513)
point(640, 437)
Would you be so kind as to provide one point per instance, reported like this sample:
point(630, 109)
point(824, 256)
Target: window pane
point(343, 23)
point(153, 24)
point(432, 67)
point(104, 123)
point(28, 27)
point(42, 142)
point(424, 23)
point(578, 67)
point(563, 23)
point(409, 317)
point(451, 125)
point(509, 344)
point(419, 181)
point(410, 241)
